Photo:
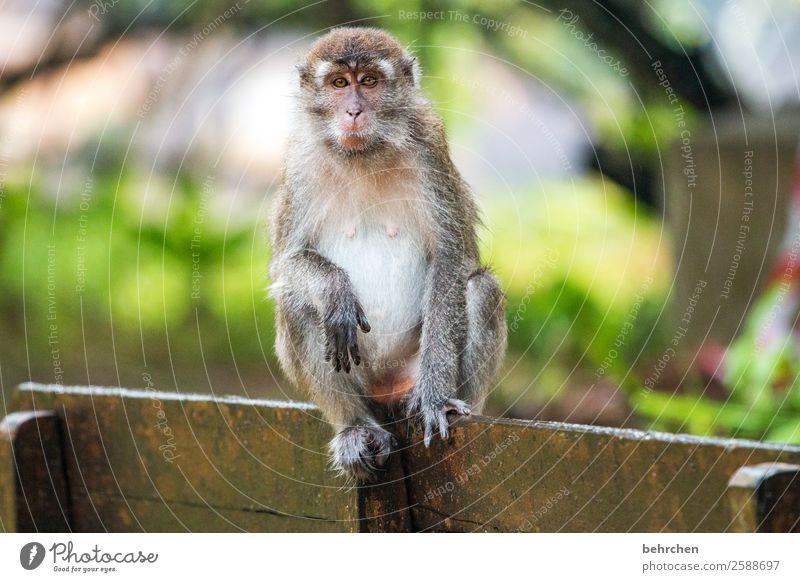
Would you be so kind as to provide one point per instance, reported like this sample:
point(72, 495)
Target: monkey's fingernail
point(363, 323)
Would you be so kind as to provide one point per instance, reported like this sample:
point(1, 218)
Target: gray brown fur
point(322, 328)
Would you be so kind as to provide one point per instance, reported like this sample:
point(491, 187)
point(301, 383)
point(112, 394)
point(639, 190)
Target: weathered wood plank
point(503, 475)
point(34, 488)
point(383, 506)
point(243, 455)
point(154, 461)
point(117, 514)
point(766, 498)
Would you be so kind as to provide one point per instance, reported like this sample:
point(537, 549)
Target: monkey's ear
point(411, 70)
point(302, 71)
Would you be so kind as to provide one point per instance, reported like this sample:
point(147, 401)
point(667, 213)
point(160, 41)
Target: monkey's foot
point(434, 417)
point(457, 406)
point(358, 451)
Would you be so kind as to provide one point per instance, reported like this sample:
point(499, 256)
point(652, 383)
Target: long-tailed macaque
point(382, 305)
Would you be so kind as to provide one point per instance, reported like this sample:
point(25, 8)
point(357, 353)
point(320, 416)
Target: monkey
point(382, 307)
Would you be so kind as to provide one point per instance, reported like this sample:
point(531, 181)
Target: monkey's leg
point(317, 339)
point(361, 445)
point(486, 337)
point(442, 341)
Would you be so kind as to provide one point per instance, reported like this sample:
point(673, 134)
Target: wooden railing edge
point(763, 497)
point(619, 433)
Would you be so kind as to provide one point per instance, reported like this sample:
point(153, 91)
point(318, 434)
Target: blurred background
point(633, 162)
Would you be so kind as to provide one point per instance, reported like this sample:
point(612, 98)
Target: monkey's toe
point(358, 451)
point(457, 406)
point(380, 444)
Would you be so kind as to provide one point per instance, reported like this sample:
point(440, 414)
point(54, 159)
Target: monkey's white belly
point(387, 266)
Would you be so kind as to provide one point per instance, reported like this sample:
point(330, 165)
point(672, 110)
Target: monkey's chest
point(387, 265)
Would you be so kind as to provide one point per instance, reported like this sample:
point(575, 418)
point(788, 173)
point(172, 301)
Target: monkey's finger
point(330, 347)
point(361, 319)
point(336, 349)
point(380, 449)
point(337, 358)
point(428, 434)
point(341, 353)
point(381, 457)
point(356, 357)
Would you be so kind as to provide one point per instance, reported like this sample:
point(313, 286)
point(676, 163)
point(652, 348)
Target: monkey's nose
point(354, 112)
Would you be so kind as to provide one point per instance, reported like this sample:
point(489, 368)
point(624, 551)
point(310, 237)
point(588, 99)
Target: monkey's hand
point(340, 325)
point(431, 412)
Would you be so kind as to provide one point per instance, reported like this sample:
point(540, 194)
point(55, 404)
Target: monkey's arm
point(307, 279)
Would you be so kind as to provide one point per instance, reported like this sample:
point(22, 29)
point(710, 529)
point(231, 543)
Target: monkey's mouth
point(354, 139)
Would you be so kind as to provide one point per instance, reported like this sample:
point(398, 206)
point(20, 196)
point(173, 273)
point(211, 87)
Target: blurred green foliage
point(117, 279)
point(761, 370)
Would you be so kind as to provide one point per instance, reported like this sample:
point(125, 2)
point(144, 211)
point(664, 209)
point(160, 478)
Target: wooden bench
point(107, 459)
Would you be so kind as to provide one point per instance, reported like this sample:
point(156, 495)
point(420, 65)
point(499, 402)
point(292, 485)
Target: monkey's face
point(353, 98)
point(358, 87)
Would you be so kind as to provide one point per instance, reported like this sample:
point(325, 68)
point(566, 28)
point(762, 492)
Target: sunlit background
point(607, 143)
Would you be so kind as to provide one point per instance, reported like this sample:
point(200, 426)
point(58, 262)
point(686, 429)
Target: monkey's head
point(359, 88)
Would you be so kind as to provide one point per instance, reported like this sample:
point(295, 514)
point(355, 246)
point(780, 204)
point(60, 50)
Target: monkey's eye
point(369, 81)
point(339, 82)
